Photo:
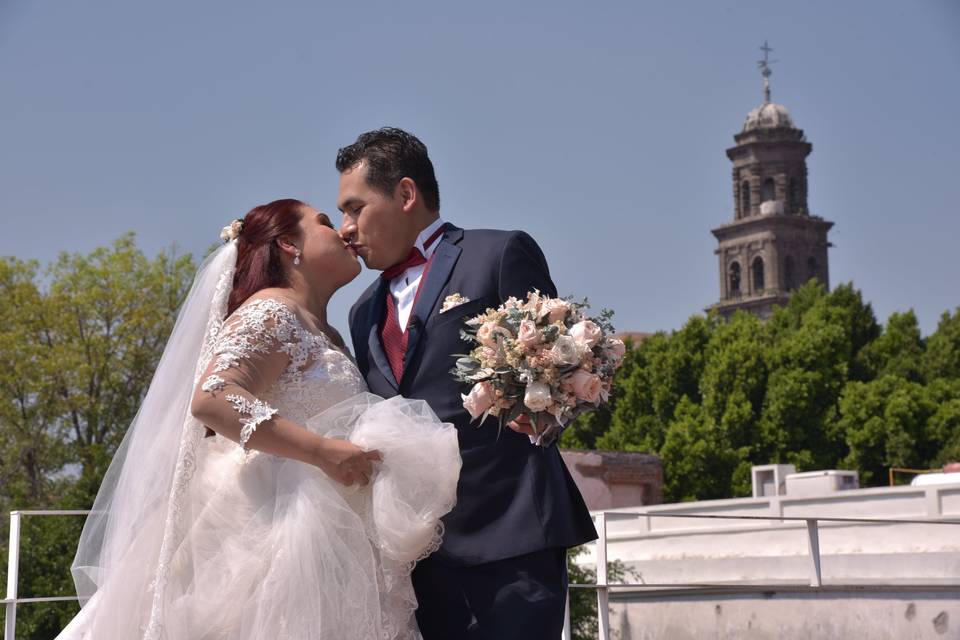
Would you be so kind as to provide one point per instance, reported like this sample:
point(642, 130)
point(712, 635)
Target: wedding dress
point(218, 542)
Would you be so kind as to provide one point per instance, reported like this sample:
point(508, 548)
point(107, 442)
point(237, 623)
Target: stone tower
point(773, 245)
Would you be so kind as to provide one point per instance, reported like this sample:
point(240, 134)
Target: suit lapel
point(374, 345)
point(441, 266)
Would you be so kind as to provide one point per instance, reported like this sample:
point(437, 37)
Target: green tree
point(809, 366)
point(700, 455)
point(583, 602)
point(898, 351)
point(846, 307)
point(30, 449)
point(107, 317)
point(943, 427)
point(677, 367)
point(821, 384)
point(634, 425)
point(82, 343)
point(885, 425)
point(734, 382)
point(583, 432)
point(941, 358)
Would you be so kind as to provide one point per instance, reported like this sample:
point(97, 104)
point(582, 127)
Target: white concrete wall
point(880, 580)
point(786, 616)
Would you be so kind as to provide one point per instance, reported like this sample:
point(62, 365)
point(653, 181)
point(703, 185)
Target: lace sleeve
point(252, 351)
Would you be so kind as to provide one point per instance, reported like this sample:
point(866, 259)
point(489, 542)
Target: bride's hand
point(345, 462)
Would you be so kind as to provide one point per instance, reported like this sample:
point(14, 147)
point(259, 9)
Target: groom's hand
point(523, 425)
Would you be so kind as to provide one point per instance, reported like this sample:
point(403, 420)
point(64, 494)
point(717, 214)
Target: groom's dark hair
point(392, 154)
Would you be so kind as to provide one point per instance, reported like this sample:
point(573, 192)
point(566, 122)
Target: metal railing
point(891, 473)
point(602, 585)
point(13, 570)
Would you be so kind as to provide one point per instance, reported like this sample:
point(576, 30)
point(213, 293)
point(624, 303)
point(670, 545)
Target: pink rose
point(528, 336)
point(556, 308)
point(481, 397)
point(615, 349)
point(586, 332)
point(487, 334)
point(586, 386)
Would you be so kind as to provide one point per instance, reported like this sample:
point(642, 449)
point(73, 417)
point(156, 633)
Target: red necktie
point(393, 339)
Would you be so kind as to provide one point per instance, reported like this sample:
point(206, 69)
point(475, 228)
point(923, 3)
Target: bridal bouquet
point(542, 357)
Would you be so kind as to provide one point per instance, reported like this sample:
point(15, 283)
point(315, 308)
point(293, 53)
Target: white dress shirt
point(404, 287)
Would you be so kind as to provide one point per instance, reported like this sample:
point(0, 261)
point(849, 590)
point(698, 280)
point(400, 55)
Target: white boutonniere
point(453, 300)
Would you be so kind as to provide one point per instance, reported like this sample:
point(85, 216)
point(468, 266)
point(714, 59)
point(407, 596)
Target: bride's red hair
point(259, 258)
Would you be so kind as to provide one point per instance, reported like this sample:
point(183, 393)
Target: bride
point(303, 514)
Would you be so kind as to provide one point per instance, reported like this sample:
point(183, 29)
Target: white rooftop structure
point(698, 574)
point(927, 479)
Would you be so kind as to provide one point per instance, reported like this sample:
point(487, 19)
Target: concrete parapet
point(616, 479)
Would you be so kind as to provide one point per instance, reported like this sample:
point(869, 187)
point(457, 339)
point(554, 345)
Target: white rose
point(586, 332)
point(565, 351)
point(537, 396)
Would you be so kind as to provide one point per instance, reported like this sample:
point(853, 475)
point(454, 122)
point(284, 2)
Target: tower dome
point(769, 115)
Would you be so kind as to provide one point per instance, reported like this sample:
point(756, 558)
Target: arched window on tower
point(734, 279)
point(789, 274)
point(811, 268)
point(793, 197)
point(744, 199)
point(758, 283)
point(769, 191)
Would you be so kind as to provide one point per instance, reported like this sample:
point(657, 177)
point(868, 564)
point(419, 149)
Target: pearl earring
point(296, 258)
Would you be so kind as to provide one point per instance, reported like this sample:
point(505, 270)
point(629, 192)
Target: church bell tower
point(773, 244)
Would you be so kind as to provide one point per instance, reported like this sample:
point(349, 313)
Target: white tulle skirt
point(273, 548)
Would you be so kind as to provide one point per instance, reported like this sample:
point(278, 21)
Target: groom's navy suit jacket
point(513, 497)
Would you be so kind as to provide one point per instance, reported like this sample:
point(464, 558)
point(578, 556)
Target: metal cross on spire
point(765, 70)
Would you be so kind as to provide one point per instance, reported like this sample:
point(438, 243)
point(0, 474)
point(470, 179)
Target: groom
point(501, 570)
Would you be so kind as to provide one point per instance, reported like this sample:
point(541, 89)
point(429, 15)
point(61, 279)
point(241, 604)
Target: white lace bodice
point(266, 363)
point(330, 380)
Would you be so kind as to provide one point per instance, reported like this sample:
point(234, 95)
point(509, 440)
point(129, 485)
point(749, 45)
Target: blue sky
point(598, 127)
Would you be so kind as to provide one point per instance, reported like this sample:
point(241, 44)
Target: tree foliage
point(79, 341)
point(584, 623)
point(821, 384)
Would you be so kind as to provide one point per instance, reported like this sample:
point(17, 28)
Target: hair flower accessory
point(231, 231)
